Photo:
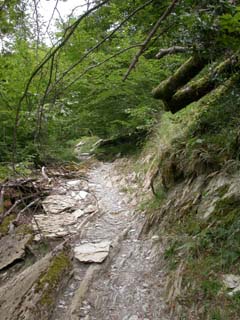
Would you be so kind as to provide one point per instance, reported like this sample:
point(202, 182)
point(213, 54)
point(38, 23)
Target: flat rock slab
point(56, 225)
point(232, 282)
point(92, 252)
point(12, 248)
point(58, 203)
point(23, 298)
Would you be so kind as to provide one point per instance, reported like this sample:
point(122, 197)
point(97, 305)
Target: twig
point(43, 171)
point(42, 237)
point(41, 105)
point(65, 39)
point(50, 20)
point(17, 203)
point(37, 23)
point(26, 208)
point(88, 4)
point(2, 200)
point(17, 183)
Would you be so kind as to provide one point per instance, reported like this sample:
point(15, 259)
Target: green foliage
point(11, 16)
point(92, 100)
point(204, 140)
point(231, 22)
point(97, 102)
point(207, 250)
point(4, 171)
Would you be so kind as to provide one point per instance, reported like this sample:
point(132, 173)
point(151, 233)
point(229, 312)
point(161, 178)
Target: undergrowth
point(213, 138)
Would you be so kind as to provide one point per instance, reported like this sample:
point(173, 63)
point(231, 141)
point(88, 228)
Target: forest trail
point(128, 285)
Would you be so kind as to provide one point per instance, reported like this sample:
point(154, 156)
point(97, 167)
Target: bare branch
point(2, 200)
point(88, 4)
point(17, 203)
point(172, 50)
point(59, 14)
point(149, 37)
point(42, 102)
point(65, 39)
point(36, 15)
point(50, 20)
point(26, 208)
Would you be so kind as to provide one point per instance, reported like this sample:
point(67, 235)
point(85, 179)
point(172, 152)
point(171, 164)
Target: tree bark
point(199, 88)
point(182, 76)
point(172, 50)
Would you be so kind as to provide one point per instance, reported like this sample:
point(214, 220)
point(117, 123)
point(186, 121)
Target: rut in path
point(128, 285)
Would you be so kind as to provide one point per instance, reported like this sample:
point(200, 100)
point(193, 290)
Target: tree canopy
point(97, 76)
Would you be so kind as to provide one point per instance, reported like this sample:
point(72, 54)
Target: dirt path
point(128, 285)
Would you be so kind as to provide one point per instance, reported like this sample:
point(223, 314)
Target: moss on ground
point(51, 280)
point(4, 226)
point(24, 229)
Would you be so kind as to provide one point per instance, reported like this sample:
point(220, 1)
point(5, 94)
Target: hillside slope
point(192, 165)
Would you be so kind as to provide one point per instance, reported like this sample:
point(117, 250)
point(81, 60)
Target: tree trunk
point(182, 76)
point(199, 88)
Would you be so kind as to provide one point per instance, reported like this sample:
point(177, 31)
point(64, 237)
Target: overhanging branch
point(149, 37)
point(172, 50)
point(109, 36)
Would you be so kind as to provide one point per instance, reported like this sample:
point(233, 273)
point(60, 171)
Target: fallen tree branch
point(17, 203)
point(26, 208)
point(154, 176)
point(17, 183)
point(44, 174)
point(2, 200)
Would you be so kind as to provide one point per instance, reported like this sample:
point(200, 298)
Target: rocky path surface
point(128, 284)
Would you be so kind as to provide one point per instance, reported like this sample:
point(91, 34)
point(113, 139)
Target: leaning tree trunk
point(176, 94)
point(182, 76)
point(199, 88)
